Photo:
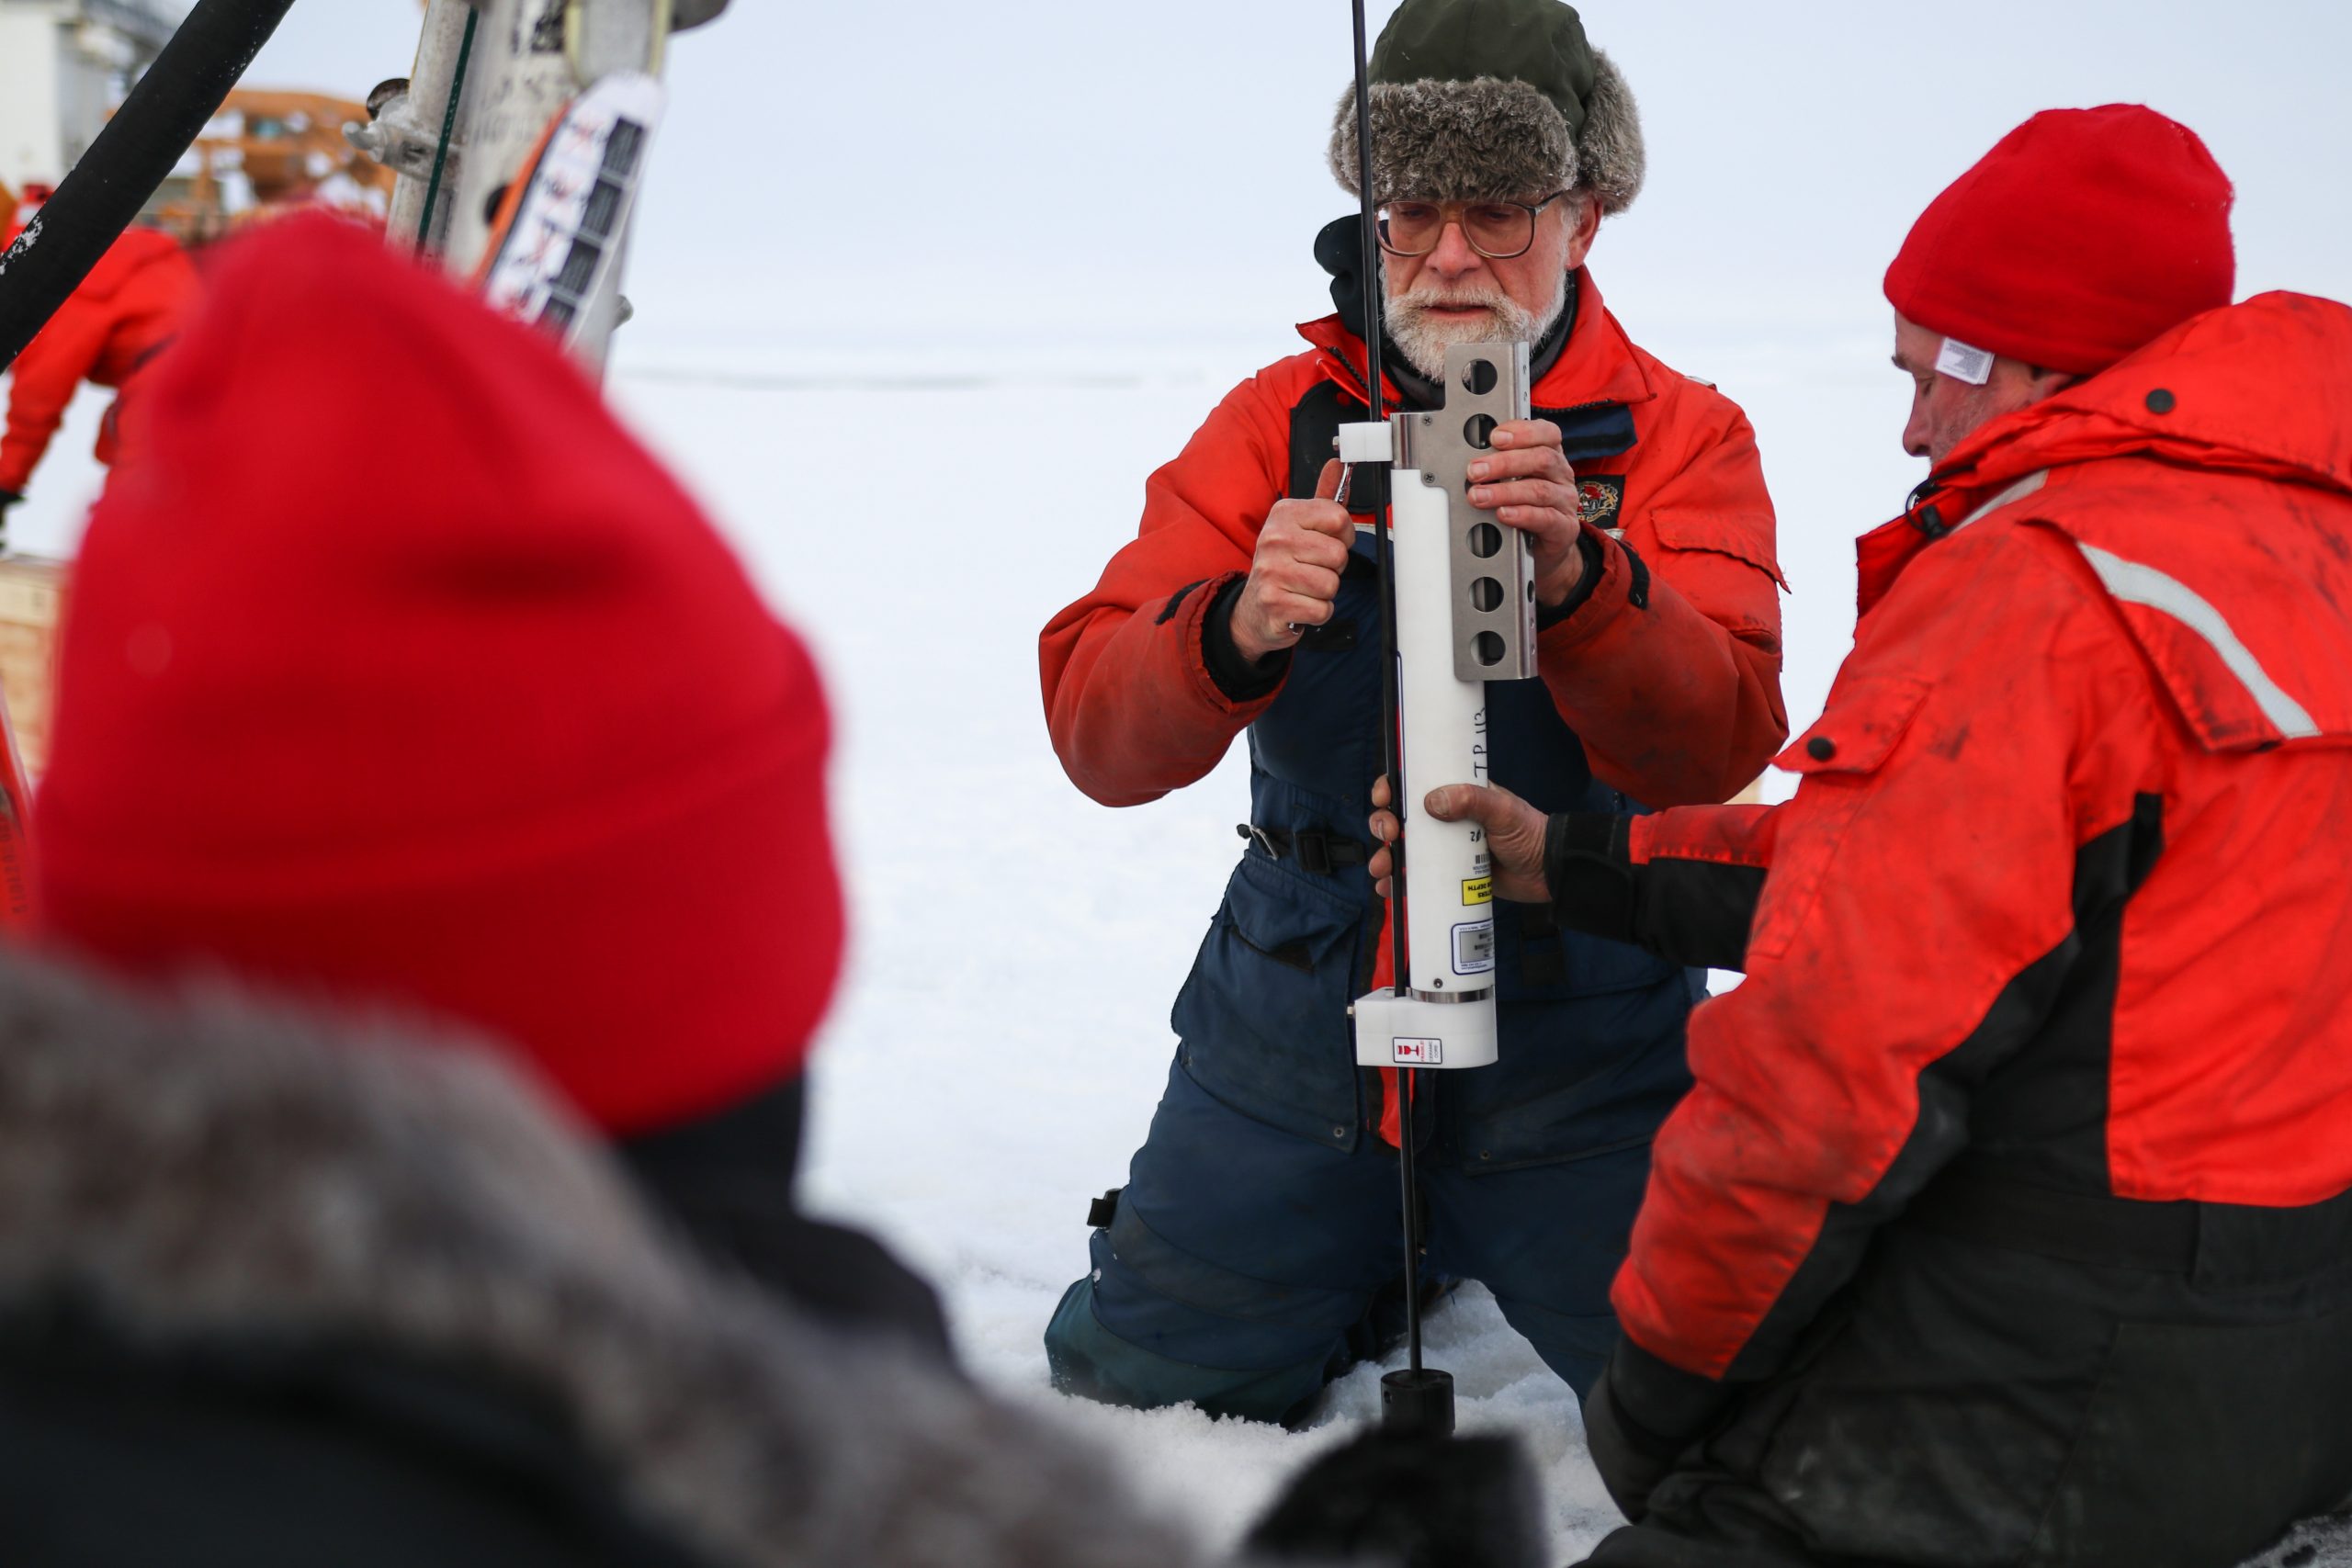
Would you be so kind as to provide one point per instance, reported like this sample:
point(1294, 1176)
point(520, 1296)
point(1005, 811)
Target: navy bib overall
point(1260, 1217)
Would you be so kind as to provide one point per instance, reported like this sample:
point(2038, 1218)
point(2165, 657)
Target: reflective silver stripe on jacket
point(2135, 584)
point(2018, 491)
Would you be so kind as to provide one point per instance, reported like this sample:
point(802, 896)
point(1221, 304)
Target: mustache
point(1425, 297)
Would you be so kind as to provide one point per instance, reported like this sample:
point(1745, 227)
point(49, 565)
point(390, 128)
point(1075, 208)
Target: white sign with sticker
point(1964, 362)
point(1414, 1050)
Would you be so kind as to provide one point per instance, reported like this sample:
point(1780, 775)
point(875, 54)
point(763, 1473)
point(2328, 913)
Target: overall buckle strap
point(1317, 851)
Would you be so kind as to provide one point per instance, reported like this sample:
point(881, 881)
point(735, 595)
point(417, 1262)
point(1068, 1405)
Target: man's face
point(1455, 295)
point(1945, 409)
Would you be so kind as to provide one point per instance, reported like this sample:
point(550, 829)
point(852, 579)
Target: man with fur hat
point(2010, 1218)
point(1239, 1267)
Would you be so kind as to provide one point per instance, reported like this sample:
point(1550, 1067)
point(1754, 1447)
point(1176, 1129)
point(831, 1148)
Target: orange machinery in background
point(265, 152)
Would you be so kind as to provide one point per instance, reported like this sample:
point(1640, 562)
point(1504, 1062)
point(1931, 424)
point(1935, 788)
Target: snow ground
point(1002, 1034)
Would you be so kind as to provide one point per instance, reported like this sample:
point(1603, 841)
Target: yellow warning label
point(1478, 890)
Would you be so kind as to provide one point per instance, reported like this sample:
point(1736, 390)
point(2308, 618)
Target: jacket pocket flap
point(1865, 717)
point(1742, 536)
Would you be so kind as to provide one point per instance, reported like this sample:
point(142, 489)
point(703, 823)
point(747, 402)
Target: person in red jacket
point(1247, 1257)
point(108, 333)
point(2010, 1219)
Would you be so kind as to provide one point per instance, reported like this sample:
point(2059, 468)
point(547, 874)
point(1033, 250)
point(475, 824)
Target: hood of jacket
point(2206, 483)
point(2261, 390)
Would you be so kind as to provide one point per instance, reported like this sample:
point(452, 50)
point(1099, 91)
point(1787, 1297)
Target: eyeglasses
point(1496, 230)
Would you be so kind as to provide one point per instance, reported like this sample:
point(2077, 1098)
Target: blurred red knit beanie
point(398, 671)
point(2083, 235)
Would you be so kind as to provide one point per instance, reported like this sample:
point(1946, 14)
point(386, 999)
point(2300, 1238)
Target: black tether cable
point(1414, 1400)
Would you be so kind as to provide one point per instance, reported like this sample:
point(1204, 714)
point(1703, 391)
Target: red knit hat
point(398, 670)
point(2083, 235)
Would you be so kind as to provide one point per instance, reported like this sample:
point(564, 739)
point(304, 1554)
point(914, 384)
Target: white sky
point(933, 166)
point(1126, 193)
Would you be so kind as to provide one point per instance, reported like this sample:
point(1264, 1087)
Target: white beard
point(1424, 338)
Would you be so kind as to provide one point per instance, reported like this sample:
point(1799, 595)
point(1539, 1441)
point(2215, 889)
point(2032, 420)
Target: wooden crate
point(32, 603)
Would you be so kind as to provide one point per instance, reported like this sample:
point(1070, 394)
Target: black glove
point(1419, 1502)
point(9, 498)
point(1632, 1459)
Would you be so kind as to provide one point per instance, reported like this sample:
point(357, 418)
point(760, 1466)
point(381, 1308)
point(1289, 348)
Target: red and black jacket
point(2064, 883)
point(106, 333)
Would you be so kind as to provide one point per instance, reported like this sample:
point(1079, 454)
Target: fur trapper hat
point(1493, 100)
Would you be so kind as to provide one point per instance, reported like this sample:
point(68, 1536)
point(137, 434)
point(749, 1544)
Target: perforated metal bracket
point(1493, 569)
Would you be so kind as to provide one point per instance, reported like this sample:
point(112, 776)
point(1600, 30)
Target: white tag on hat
point(1964, 362)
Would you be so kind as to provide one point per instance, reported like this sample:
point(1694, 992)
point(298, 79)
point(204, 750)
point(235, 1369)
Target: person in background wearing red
point(2009, 1220)
point(108, 333)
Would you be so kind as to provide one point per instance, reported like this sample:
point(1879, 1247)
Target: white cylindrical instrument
point(1465, 614)
point(1450, 887)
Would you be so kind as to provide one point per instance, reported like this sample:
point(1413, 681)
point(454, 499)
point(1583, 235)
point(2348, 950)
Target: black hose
point(1409, 1179)
point(1373, 327)
point(130, 161)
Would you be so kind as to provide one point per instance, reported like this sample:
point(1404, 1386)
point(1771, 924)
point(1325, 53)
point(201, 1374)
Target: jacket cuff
point(1663, 1408)
point(1589, 871)
point(1595, 562)
point(1623, 583)
point(1240, 680)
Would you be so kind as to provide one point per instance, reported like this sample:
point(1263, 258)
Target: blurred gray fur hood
point(208, 1164)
